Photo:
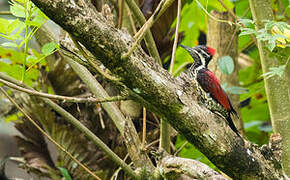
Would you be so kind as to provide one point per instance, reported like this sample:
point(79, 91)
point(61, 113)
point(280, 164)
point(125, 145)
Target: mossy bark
point(277, 88)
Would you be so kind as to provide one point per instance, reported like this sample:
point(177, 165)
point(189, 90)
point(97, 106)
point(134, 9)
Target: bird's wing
point(210, 84)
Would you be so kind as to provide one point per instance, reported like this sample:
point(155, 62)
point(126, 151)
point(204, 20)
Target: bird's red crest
point(211, 50)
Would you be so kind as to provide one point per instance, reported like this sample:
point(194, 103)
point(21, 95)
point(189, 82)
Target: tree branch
point(173, 99)
point(187, 169)
point(63, 98)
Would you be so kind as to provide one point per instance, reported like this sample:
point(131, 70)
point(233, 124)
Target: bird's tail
point(232, 125)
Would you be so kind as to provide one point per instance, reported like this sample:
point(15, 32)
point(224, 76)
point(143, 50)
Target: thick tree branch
point(173, 99)
point(182, 168)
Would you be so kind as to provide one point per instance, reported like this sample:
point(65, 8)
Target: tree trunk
point(277, 88)
point(223, 37)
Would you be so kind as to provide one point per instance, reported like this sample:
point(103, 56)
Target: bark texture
point(277, 88)
point(172, 99)
point(181, 168)
point(224, 38)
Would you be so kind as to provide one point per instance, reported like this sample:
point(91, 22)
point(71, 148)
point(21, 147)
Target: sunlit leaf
point(49, 47)
point(65, 173)
point(275, 71)
point(9, 44)
point(12, 26)
point(17, 10)
point(247, 31)
point(237, 90)
point(226, 64)
point(246, 22)
point(3, 25)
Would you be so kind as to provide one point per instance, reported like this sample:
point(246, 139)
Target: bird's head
point(201, 54)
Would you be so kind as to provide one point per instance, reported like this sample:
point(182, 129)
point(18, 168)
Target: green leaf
point(247, 31)
point(226, 64)
point(275, 71)
point(17, 10)
point(3, 25)
point(36, 21)
point(12, 26)
point(269, 25)
point(65, 173)
point(271, 45)
point(246, 22)
point(31, 59)
point(21, 1)
point(49, 47)
point(9, 44)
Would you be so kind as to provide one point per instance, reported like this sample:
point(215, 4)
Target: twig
point(121, 10)
point(99, 109)
point(176, 37)
point(5, 13)
point(144, 127)
point(162, 6)
point(46, 135)
point(63, 98)
point(229, 10)
point(149, 40)
point(89, 59)
point(165, 127)
point(180, 148)
point(132, 21)
point(211, 16)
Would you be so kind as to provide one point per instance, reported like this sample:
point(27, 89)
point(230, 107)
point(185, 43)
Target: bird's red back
point(211, 85)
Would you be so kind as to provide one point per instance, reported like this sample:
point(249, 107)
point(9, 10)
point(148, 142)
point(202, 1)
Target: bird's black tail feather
point(232, 125)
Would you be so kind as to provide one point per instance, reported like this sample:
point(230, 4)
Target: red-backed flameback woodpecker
point(211, 93)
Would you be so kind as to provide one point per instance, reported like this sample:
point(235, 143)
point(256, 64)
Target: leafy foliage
point(16, 62)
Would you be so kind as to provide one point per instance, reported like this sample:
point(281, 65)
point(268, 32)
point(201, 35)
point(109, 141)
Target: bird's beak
point(185, 47)
point(191, 51)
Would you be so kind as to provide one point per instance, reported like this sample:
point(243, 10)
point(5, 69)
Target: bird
point(211, 94)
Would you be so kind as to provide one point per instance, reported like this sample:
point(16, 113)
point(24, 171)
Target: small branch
point(5, 13)
point(211, 16)
point(180, 148)
point(191, 169)
point(176, 37)
point(133, 23)
point(164, 136)
point(162, 6)
point(149, 40)
point(229, 10)
point(165, 127)
point(144, 128)
point(48, 136)
point(63, 98)
point(121, 10)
